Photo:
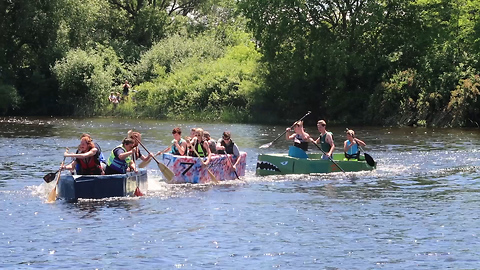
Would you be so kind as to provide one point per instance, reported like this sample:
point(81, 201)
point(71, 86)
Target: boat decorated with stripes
point(188, 169)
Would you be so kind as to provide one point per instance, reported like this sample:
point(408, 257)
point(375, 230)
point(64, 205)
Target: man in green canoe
point(325, 140)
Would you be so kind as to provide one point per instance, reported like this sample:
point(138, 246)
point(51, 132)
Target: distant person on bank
point(126, 90)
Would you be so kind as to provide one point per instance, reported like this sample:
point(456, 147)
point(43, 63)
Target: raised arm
point(90, 153)
point(124, 155)
point(288, 135)
point(360, 142)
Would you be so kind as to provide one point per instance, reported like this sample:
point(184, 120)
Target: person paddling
point(325, 140)
point(211, 142)
point(300, 137)
point(225, 145)
point(178, 145)
point(86, 160)
point(200, 146)
point(350, 146)
point(120, 160)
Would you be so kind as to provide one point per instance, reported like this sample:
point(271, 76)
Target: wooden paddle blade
point(144, 163)
point(53, 195)
point(266, 145)
point(214, 179)
point(167, 173)
point(49, 177)
point(369, 159)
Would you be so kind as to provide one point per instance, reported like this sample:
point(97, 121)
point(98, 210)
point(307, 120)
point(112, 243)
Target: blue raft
point(74, 187)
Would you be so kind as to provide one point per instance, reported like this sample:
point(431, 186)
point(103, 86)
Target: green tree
point(321, 55)
point(10, 99)
point(85, 79)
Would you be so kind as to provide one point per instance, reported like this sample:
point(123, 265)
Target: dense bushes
point(202, 85)
point(464, 103)
point(10, 99)
point(86, 79)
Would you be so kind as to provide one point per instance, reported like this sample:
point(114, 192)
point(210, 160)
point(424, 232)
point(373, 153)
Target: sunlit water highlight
point(418, 210)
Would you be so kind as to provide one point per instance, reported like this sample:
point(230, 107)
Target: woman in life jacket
point(86, 158)
point(200, 145)
point(350, 146)
point(120, 160)
point(225, 145)
point(300, 137)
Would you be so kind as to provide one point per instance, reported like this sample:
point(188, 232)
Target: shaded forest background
point(394, 62)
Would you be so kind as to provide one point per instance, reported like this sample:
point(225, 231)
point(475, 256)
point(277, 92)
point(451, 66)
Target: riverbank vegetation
point(369, 62)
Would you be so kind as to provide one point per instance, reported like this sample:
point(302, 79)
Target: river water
point(418, 210)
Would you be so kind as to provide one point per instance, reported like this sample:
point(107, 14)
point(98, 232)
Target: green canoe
point(271, 164)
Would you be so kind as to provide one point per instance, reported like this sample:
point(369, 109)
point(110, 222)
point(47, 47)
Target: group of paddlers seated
point(324, 142)
point(89, 159)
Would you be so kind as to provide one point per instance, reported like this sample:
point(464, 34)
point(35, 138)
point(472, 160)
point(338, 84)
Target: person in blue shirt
point(351, 145)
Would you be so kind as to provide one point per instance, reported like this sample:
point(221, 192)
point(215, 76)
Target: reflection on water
point(25, 127)
point(418, 210)
point(90, 208)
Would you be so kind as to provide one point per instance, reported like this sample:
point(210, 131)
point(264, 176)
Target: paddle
point(214, 179)
point(163, 168)
point(329, 157)
point(270, 143)
point(145, 163)
point(53, 194)
point(231, 165)
point(369, 159)
point(49, 177)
